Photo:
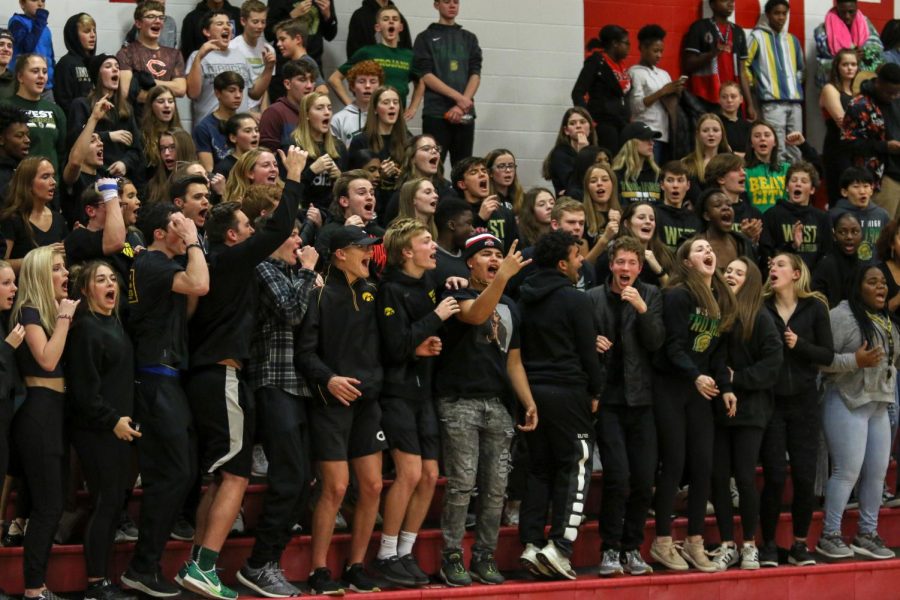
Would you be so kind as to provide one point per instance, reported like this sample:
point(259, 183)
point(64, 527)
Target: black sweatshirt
point(675, 225)
point(406, 318)
point(361, 31)
point(225, 317)
point(339, 336)
point(693, 341)
point(605, 98)
point(132, 155)
point(777, 234)
point(501, 224)
point(756, 363)
point(99, 369)
point(814, 347)
point(833, 274)
point(70, 75)
point(562, 165)
point(557, 334)
point(9, 370)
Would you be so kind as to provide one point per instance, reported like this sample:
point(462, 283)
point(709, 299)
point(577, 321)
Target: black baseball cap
point(638, 130)
point(348, 235)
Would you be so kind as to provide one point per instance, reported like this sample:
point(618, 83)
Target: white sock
point(407, 540)
point(388, 546)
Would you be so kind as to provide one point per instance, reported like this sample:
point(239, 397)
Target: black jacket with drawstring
point(339, 336)
point(70, 77)
point(777, 234)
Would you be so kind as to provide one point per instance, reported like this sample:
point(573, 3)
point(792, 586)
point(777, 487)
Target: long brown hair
point(694, 160)
point(122, 106)
point(717, 302)
point(748, 299)
point(398, 131)
point(660, 251)
point(407, 205)
point(20, 195)
point(515, 189)
point(152, 128)
point(529, 228)
point(563, 139)
point(594, 221)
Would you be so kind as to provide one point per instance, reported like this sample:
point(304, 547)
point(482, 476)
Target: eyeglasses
point(506, 166)
point(152, 18)
point(430, 148)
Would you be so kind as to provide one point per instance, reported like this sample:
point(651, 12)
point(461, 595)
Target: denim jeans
point(476, 434)
point(858, 443)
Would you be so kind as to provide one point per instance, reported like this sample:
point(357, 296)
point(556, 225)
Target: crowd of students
point(310, 282)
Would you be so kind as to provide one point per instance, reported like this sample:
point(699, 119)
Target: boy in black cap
point(338, 354)
point(480, 359)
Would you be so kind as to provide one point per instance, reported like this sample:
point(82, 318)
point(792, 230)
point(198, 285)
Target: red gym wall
point(677, 15)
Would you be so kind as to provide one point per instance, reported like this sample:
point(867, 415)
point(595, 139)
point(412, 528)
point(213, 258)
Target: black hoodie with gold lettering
point(70, 78)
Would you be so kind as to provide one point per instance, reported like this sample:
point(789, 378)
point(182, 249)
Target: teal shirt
point(764, 185)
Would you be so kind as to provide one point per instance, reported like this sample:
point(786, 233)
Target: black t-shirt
point(737, 133)
point(83, 245)
point(71, 206)
point(16, 231)
point(157, 315)
point(449, 265)
point(28, 366)
point(472, 363)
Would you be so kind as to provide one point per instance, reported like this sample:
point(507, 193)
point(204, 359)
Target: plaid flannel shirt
point(284, 296)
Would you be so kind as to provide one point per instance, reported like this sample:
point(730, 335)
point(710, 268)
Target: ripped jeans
point(476, 434)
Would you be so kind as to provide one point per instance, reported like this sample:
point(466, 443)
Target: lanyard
point(888, 326)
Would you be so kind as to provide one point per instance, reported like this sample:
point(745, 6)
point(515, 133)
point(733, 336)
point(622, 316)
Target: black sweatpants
point(457, 140)
point(6, 416)
point(559, 466)
point(284, 431)
point(736, 453)
point(106, 462)
point(793, 429)
point(38, 436)
point(685, 431)
point(167, 455)
point(626, 436)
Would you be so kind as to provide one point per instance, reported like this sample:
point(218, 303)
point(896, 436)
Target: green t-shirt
point(46, 128)
point(765, 186)
point(396, 62)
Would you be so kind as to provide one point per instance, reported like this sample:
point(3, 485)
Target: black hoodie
point(558, 336)
point(833, 274)
point(675, 225)
point(70, 78)
point(814, 347)
point(406, 318)
point(361, 31)
point(777, 234)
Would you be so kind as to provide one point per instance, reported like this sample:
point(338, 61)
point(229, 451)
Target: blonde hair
point(302, 135)
point(594, 221)
point(398, 238)
point(36, 287)
point(803, 285)
point(694, 160)
point(631, 160)
point(407, 204)
point(239, 177)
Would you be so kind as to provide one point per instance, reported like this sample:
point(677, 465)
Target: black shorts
point(341, 432)
point(411, 426)
point(222, 406)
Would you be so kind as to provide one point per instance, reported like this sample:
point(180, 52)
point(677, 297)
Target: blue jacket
point(32, 35)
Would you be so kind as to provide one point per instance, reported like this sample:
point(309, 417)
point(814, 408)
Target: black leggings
point(38, 441)
point(6, 415)
point(685, 431)
point(793, 429)
point(106, 462)
point(736, 452)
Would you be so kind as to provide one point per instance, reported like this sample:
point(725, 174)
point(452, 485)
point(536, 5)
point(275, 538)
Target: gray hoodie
point(857, 386)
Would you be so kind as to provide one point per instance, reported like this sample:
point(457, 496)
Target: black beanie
point(93, 66)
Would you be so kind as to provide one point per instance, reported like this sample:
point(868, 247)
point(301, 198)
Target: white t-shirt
point(214, 63)
point(254, 59)
point(646, 81)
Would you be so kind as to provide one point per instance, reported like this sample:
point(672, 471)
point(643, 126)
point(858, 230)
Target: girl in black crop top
point(100, 376)
point(45, 311)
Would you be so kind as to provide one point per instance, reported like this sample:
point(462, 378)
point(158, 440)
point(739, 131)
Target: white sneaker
point(749, 557)
point(238, 527)
point(260, 464)
point(556, 561)
point(529, 560)
point(725, 556)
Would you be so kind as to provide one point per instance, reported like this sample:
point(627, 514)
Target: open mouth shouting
point(483, 185)
point(109, 298)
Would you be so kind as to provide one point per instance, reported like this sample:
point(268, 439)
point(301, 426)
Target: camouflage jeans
point(476, 434)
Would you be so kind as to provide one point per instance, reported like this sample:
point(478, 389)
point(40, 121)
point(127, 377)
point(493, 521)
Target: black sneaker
point(127, 530)
point(800, 555)
point(151, 584)
point(393, 571)
point(320, 583)
point(356, 579)
point(768, 555)
point(182, 530)
point(412, 567)
point(47, 595)
point(14, 535)
point(484, 570)
point(106, 590)
point(453, 571)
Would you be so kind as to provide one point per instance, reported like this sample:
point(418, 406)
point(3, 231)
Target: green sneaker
point(206, 583)
point(453, 571)
point(484, 570)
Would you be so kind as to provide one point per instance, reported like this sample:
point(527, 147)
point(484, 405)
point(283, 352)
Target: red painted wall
point(676, 17)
